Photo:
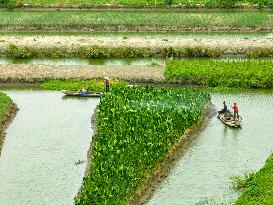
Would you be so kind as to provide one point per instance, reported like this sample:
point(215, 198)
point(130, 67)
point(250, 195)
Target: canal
point(47, 137)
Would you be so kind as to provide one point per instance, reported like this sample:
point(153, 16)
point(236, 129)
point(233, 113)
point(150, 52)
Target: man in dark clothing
point(225, 107)
point(107, 84)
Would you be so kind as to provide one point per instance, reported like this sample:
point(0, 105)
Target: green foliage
point(91, 85)
point(220, 3)
point(16, 52)
point(213, 73)
point(241, 182)
point(151, 3)
point(5, 101)
point(137, 126)
point(259, 187)
point(130, 20)
point(9, 4)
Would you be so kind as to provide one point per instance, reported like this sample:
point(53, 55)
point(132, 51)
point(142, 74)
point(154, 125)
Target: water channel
point(203, 175)
point(48, 135)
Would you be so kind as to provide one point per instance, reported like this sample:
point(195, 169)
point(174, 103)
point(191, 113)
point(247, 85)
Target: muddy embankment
point(38, 73)
point(5, 122)
point(227, 45)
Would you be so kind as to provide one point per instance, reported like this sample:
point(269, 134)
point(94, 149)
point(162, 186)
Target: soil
point(156, 179)
point(230, 45)
point(36, 73)
point(5, 122)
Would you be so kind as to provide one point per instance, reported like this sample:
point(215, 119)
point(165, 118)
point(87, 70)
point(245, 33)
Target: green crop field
point(213, 73)
point(259, 186)
point(189, 3)
point(131, 20)
point(91, 85)
point(5, 101)
point(136, 128)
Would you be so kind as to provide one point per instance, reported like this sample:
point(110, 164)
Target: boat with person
point(228, 119)
point(82, 94)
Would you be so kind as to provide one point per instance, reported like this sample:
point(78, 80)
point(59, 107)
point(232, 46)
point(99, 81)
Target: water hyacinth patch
point(214, 73)
point(91, 85)
point(137, 126)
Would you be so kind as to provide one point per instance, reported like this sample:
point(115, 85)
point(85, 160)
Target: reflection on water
point(78, 61)
point(46, 138)
point(203, 174)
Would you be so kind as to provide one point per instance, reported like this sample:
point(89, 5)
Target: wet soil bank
point(65, 45)
point(5, 122)
point(154, 180)
point(13, 73)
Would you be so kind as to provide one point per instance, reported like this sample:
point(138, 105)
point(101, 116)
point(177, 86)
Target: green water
point(48, 135)
point(202, 176)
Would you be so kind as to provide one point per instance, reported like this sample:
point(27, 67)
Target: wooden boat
point(229, 121)
point(78, 94)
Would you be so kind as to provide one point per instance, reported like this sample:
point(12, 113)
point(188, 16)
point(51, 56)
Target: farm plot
point(213, 73)
point(136, 129)
point(132, 21)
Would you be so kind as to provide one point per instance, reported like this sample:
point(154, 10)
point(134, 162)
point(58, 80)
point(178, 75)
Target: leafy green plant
point(259, 186)
point(16, 52)
point(91, 85)
point(137, 126)
point(5, 101)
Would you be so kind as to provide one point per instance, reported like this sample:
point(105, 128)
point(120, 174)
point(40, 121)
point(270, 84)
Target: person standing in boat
point(107, 84)
point(236, 111)
point(225, 107)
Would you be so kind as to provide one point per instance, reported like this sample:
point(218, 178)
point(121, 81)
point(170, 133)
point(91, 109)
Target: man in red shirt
point(236, 110)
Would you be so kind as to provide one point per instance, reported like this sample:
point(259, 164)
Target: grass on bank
point(5, 102)
point(258, 188)
point(136, 128)
point(131, 20)
point(150, 3)
point(74, 85)
point(215, 73)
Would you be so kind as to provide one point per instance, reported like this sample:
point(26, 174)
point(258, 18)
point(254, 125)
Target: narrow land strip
point(66, 44)
point(39, 73)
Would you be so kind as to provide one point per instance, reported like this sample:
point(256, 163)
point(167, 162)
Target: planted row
point(91, 85)
point(213, 73)
point(136, 128)
point(109, 52)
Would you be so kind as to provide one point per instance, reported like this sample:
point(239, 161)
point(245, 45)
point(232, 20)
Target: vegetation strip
point(138, 3)
point(133, 21)
point(136, 129)
point(259, 186)
point(213, 73)
point(128, 47)
point(91, 85)
point(7, 112)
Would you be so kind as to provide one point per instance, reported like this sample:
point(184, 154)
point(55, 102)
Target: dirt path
point(38, 73)
point(231, 45)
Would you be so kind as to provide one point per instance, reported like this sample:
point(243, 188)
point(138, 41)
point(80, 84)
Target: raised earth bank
point(7, 112)
point(103, 46)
